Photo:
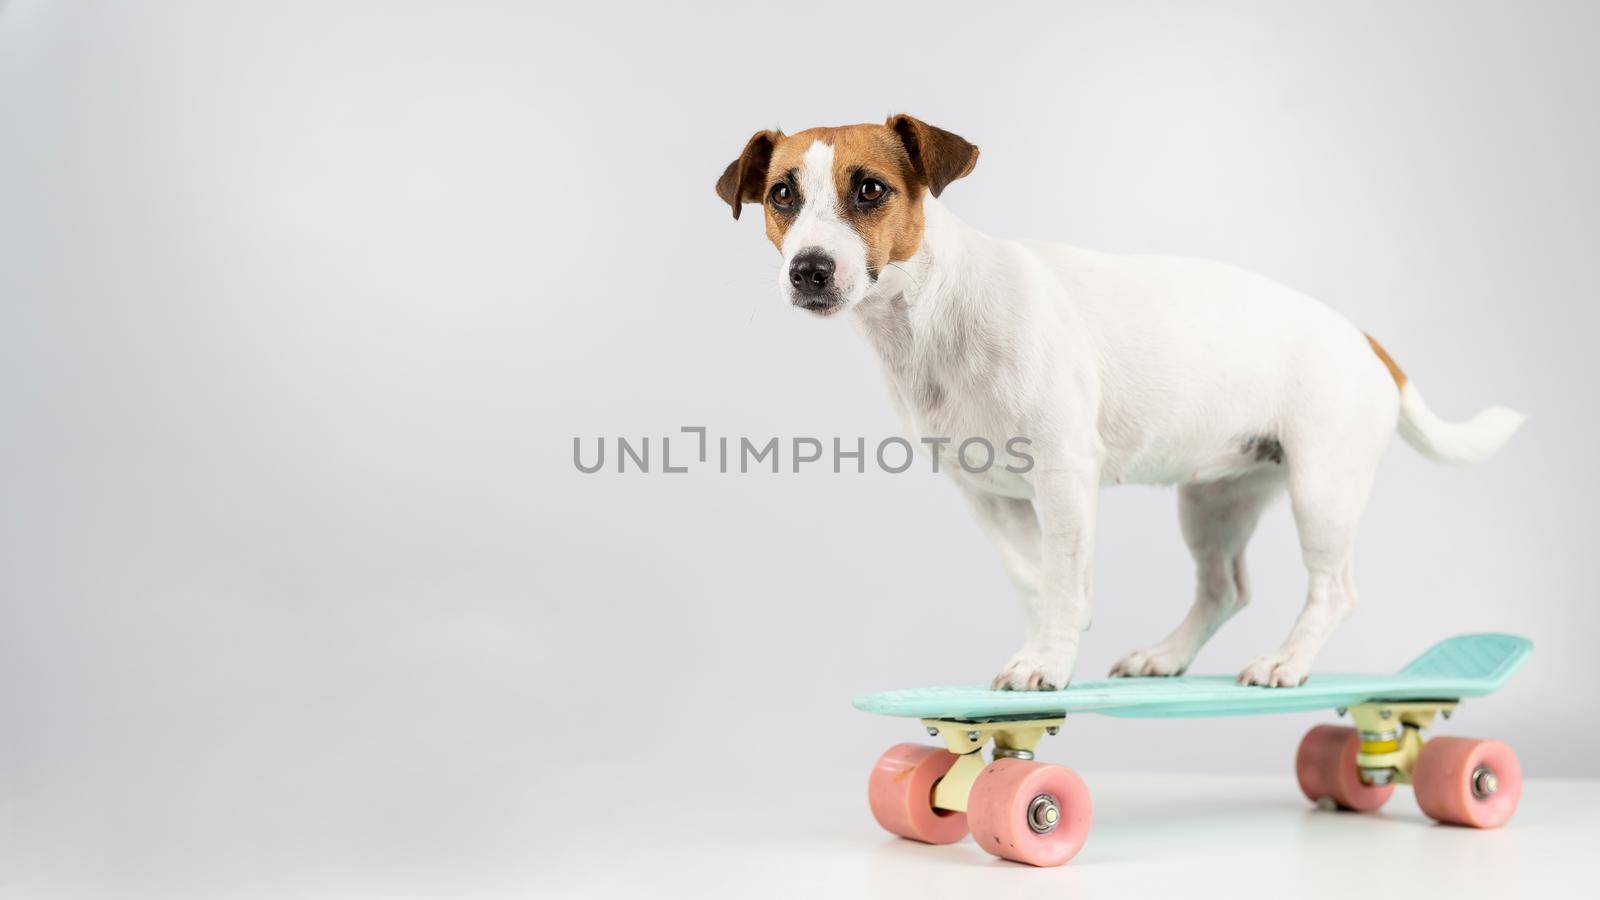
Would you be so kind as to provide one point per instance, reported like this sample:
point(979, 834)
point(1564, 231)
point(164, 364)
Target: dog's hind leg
point(1329, 481)
point(1217, 519)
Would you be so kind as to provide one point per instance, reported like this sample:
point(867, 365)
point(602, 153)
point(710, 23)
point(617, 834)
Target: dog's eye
point(870, 191)
point(781, 196)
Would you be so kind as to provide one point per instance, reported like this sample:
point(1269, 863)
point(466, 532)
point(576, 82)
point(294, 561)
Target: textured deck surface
point(1466, 666)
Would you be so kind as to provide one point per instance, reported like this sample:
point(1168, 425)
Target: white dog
point(1141, 369)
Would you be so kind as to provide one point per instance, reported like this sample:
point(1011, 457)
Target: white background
point(302, 305)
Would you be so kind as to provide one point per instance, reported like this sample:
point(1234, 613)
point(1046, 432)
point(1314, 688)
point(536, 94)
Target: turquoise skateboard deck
point(1038, 813)
point(1470, 665)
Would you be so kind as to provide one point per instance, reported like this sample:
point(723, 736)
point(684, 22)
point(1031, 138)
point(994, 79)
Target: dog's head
point(843, 203)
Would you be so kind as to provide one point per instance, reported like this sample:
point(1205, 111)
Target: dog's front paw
point(1277, 670)
point(1037, 668)
point(1158, 660)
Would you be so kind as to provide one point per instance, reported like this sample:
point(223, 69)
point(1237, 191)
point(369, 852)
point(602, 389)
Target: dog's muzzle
point(811, 281)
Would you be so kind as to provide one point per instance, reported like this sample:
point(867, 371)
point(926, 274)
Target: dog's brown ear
point(937, 156)
point(746, 177)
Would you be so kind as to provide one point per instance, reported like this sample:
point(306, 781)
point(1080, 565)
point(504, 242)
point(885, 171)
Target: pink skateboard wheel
point(1029, 812)
point(900, 792)
point(1326, 767)
point(1463, 781)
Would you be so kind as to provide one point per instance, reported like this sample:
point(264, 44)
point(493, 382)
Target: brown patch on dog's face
point(876, 190)
point(873, 189)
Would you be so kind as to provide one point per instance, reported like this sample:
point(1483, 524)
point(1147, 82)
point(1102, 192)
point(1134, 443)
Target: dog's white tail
point(1471, 441)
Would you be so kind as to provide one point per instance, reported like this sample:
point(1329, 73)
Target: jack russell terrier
point(1143, 369)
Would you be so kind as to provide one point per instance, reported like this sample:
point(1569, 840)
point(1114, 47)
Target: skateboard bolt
point(1484, 782)
point(1044, 813)
point(974, 735)
point(932, 731)
point(1052, 730)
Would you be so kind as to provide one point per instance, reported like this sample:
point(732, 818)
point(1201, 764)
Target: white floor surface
point(1189, 836)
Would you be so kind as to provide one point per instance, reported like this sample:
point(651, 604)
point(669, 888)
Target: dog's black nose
point(811, 272)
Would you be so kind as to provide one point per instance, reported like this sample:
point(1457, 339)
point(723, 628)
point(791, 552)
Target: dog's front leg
point(1065, 501)
point(1014, 528)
